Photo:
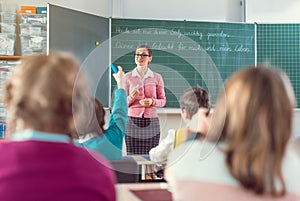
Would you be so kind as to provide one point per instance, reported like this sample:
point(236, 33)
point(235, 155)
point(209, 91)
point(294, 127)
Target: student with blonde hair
point(39, 160)
point(245, 155)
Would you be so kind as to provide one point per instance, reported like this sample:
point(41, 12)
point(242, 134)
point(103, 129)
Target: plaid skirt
point(142, 134)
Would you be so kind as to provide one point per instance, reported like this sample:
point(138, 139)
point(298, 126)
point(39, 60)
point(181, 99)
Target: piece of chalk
point(114, 68)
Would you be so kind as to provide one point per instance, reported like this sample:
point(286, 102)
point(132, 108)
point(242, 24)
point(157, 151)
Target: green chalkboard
point(185, 53)
point(278, 45)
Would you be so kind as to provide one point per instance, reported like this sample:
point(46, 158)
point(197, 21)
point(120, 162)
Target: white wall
point(199, 10)
point(96, 7)
point(277, 11)
point(169, 121)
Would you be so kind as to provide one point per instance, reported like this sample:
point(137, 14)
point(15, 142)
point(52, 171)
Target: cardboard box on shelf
point(33, 29)
point(28, 9)
point(8, 28)
point(7, 42)
point(33, 19)
point(8, 17)
point(41, 10)
point(33, 44)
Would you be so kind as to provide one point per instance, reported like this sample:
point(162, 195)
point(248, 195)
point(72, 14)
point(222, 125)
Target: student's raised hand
point(200, 121)
point(146, 102)
point(119, 77)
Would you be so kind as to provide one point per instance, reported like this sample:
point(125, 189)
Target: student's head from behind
point(253, 116)
point(41, 93)
point(92, 119)
point(192, 100)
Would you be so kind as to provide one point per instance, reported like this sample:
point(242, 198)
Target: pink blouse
point(151, 86)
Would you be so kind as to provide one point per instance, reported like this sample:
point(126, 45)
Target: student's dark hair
point(100, 114)
point(193, 99)
point(147, 47)
point(92, 119)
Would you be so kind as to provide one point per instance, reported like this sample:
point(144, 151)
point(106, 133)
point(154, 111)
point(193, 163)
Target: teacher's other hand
point(134, 94)
point(147, 102)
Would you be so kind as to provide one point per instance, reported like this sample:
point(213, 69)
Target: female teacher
point(145, 90)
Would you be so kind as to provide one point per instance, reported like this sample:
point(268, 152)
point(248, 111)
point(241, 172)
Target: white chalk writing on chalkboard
point(205, 44)
point(178, 32)
point(182, 47)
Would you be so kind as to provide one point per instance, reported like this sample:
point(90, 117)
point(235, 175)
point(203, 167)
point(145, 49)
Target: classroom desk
point(147, 166)
point(136, 168)
point(124, 193)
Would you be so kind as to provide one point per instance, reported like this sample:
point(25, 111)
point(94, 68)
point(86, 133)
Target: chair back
point(126, 169)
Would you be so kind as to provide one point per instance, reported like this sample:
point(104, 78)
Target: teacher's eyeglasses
point(141, 55)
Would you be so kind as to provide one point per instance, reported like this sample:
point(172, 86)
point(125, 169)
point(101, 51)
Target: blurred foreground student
point(244, 156)
point(91, 132)
point(39, 161)
point(190, 102)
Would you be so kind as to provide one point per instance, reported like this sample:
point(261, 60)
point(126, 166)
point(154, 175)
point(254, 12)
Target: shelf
point(10, 58)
